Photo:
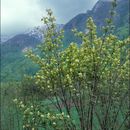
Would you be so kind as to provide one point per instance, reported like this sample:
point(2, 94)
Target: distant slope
point(20, 41)
point(99, 12)
point(13, 63)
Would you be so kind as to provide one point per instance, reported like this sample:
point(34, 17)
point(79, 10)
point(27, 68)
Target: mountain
point(13, 62)
point(99, 12)
point(36, 32)
point(4, 38)
point(29, 38)
point(21, 40)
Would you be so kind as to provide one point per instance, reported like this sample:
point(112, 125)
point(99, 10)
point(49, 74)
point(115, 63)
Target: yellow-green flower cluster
point(35, 116)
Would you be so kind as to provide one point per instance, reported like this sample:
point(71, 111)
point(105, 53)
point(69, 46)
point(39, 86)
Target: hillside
point(99, 13)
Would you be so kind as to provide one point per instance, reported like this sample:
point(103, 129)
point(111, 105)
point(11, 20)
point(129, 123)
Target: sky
point(20, 15)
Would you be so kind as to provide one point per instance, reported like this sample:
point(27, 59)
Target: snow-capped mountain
point(38, 31)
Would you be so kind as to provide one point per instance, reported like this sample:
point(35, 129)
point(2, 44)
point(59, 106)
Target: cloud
point(18, 15)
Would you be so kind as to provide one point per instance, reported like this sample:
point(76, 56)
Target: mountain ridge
point(99, 12)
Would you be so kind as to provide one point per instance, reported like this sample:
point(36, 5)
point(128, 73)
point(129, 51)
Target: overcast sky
point(19, 15)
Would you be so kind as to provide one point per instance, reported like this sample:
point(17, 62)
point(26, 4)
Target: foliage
point(91, 78)
point(123, 31)
point(10, 116)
